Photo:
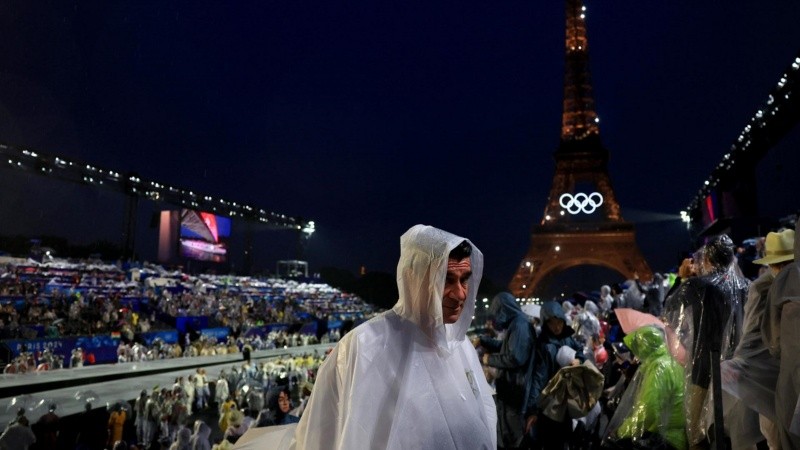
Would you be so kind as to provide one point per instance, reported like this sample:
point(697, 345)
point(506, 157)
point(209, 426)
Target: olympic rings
point(581, 202)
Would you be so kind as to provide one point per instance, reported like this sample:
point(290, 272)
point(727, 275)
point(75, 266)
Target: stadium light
point(309, 228)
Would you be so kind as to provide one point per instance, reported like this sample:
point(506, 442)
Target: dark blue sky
point(369, 117)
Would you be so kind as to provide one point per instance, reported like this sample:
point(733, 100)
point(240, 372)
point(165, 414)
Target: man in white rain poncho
point(409, 379)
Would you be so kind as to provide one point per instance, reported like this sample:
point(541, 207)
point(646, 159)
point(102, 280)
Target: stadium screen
point(203, 236)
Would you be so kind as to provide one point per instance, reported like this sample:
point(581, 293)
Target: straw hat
point(780, 248)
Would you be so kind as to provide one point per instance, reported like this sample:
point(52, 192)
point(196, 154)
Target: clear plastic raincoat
point(706, 313)
point(405, 379)
point(652, 406)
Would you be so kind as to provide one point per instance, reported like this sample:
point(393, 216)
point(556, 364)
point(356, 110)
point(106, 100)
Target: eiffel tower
point(582, 223)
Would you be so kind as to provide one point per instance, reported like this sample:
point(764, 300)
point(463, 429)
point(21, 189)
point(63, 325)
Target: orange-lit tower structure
point(582, 223)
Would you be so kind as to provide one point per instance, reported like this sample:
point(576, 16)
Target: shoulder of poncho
point(667, 364)
point(692, 287)
point(371, 328)
point(370, 336)
point(791, 273)
point(696, 282)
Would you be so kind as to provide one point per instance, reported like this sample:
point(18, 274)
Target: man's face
point(455, 288)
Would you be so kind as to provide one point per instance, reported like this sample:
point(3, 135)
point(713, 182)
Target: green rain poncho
point(653, 402)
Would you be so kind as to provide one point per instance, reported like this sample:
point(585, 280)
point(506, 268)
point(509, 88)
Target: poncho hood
point(647, 343)
point(504, 309)
point(182, 441)
point(421, 274)
point(201, 430)
point(591, 307)
point(552, 309)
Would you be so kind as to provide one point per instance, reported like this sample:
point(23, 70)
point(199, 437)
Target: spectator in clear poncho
point(706, 313)
point(221, 391)
point(633, 295)
point(183, 440)
point(587, 330)
point(750, 378)
point(654, 293)
point(199, 439)
point(651, 410)
point(606, 299)
point(140, 422)
point(586, 324)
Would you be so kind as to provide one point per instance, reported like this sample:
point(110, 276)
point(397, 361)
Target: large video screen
point(204, 236)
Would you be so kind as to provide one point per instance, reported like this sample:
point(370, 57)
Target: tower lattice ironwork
point(582, 223)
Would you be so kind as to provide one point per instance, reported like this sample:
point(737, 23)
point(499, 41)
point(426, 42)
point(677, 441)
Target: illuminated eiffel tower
point(582, 224)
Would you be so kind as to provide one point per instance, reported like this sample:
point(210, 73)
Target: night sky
point(371, 116)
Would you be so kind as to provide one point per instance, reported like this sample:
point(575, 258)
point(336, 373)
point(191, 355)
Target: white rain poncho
point(406, 380)
point(586, 329)
point(634, 298)
point(706, 313)
point(588, 326)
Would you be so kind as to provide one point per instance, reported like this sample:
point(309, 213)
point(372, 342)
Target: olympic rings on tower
point(581, 202)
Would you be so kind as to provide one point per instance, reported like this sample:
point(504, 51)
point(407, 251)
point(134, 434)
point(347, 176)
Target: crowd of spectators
point(210, 413)
point(68, 299)
point(642, 382)
point(244, 302)
point(81, 298)
point(58, 298)
point(643, 353)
